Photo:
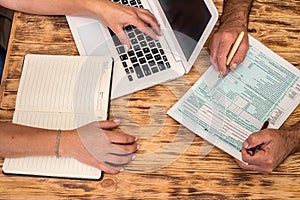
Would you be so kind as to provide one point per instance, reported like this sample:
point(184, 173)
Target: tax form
point(226, 111)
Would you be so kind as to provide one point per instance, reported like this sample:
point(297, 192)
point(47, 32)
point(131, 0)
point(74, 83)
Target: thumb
point(239, 56)
point(255, 139)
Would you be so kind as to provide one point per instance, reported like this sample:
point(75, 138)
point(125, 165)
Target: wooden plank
point(199, 171)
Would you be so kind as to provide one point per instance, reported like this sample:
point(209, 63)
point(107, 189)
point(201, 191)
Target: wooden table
point(166, 175)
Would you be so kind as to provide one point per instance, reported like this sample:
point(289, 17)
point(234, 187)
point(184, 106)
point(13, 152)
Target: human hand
point(276, 146)
point(221, 43)
point(117, 16)
point(95, 145)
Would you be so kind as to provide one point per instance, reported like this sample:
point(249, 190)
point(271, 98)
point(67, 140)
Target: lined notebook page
point(50, 166)
point(63, 92)
point(60, 92)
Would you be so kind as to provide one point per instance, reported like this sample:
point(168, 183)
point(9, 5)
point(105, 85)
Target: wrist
point(69, 140)
point(293, 140)
point(236, 14)
point(295, 137)
point(234, 20)
point(237, 21)
point(95, 7)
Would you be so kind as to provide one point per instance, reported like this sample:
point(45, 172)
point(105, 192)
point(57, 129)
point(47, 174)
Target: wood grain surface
point(172, 163)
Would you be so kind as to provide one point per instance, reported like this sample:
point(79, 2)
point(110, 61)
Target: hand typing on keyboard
point(139, 30)
point(117, 16)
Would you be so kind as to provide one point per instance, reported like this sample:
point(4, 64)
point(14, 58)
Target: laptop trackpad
point(93, 40)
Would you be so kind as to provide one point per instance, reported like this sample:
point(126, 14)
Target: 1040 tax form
point(226, 111)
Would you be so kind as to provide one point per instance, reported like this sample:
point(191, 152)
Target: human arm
point(19, 141)
point(234, 19)
point(277, 146)
point(113, 15)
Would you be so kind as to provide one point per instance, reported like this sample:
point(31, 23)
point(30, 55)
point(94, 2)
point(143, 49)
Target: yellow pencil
point(233, 50)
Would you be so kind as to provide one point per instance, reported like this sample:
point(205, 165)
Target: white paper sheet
point(226, 111)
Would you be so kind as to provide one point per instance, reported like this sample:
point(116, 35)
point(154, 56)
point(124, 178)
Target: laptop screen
point(188, 19)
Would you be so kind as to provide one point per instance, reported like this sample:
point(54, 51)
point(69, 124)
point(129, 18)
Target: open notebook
point(60, 92)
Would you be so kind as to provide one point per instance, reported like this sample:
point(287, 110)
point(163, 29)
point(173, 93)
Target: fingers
point(262, 161)
point(124, 149)
point(261, 137)
point(141, 19)
point(240, 54)
point(213, 48)
point(219, 49)
point(105, 167)
point(145, 20)
point(112, 162)
point(220, 46)
point(224, 48)
point(142, 27)
point(117, 16)
point(106, 148)
point(123, 38)
point(118, 160)
point(111, 170)
point(150, 19)
point(256, 159)
point(109, 124)
point(115, 162)
point(119, 138)
point(272, 152)
point(84, 156)
point(252, 167)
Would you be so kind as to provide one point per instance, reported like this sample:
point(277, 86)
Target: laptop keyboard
point(146, 56)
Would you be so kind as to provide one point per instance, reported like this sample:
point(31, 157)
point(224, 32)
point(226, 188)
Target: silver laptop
point(185, 27)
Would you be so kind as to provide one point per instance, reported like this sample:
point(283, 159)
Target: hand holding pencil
point(251, 151)
point(233, 50)
point(228, 49)
point(266, 149)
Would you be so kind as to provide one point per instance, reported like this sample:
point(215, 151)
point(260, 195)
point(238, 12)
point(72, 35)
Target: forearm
point(18, 141)
point(236, 13)
point(52, 7)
